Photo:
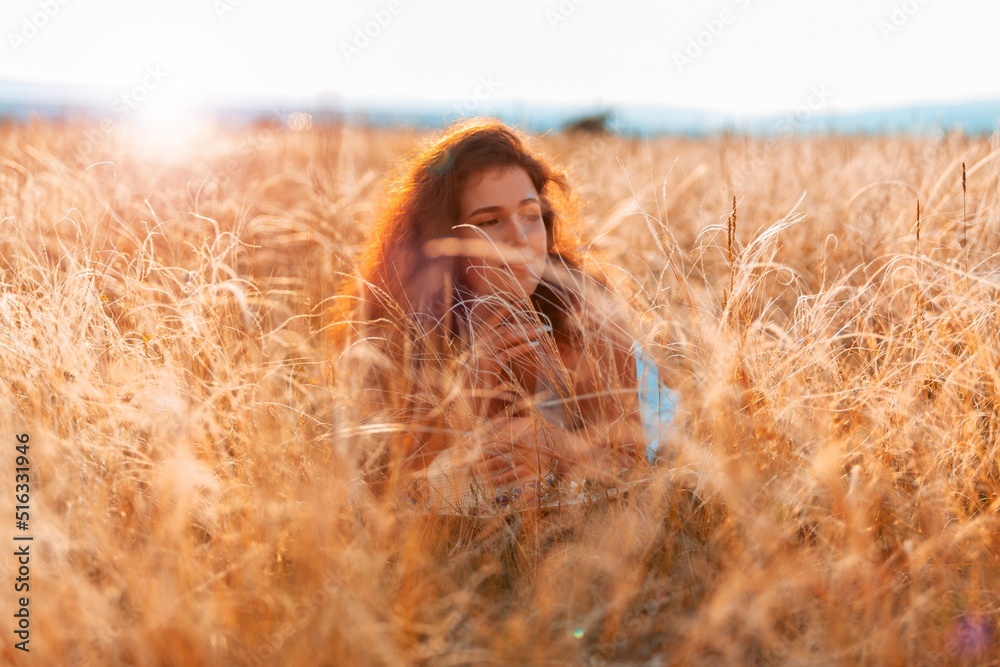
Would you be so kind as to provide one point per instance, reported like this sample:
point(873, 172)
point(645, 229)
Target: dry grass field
point(830, 496)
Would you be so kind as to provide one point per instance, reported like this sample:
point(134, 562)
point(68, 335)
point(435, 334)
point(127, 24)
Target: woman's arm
point(609, 439)
point(525, 449)
point(607, 392)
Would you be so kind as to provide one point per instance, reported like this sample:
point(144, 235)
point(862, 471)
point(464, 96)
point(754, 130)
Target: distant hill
point(20, 101)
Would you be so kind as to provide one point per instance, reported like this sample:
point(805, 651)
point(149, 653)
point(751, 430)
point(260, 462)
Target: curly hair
point(422, 205)
point(406, 305)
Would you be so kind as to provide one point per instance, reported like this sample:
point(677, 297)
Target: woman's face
point(504, 240)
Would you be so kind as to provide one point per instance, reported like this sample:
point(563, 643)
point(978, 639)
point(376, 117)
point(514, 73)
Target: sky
point(750, 57)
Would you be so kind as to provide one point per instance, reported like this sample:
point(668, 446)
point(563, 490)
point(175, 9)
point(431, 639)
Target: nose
point(518, 236)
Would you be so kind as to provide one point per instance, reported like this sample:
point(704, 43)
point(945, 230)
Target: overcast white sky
point(743, 56)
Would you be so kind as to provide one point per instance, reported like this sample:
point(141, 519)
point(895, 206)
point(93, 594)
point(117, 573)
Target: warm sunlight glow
point(167, 138)
point(164, 120)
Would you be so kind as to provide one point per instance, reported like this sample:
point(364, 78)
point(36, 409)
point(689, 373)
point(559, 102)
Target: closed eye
point(487, 223)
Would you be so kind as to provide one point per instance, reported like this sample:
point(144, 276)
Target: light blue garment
point(657, 403)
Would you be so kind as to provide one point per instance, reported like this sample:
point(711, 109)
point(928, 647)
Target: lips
point(521, 265)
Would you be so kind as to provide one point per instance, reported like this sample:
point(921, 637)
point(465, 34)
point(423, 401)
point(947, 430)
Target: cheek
point(540, 238)
point(467, 268)
point(473, 275)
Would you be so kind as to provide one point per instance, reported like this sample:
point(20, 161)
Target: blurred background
point(640, 68)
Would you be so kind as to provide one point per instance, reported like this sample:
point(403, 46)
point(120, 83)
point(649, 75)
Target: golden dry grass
point(831, 498)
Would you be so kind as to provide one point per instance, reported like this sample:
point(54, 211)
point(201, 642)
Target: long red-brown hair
point(400, 307)
point(422, 205)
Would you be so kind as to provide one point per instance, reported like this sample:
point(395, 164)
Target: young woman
point(487, 363)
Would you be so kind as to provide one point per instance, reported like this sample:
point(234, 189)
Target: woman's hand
point(519, 445)
point(523, 449)
point(528, 449)
point(504, 353)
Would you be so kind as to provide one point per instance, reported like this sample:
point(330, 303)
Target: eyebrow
point(494, 209)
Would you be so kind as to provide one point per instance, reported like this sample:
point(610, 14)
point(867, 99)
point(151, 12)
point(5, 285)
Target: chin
point(530, 289)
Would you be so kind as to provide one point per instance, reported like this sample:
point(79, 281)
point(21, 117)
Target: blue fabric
point(657, 403)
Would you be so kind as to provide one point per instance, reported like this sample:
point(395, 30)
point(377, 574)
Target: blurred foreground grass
point(832, 496)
